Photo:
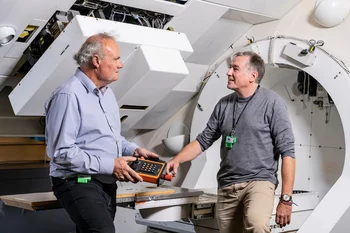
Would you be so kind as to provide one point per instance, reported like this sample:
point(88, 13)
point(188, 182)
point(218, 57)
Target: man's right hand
point(188, 153)
point(123, 171)
point(171, 167)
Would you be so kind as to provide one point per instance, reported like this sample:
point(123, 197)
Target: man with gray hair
point(255, 129)
point(88, 154)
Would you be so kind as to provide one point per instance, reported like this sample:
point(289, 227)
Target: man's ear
point(254, 76)
point(96, 61)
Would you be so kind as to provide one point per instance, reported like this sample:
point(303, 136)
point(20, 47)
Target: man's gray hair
point(256, 63)
point(91, 48)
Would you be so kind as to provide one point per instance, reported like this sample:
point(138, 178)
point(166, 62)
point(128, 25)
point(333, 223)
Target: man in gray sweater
point(255, 129)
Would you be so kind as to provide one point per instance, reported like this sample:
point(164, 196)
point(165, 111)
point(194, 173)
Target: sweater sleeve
point(212, 131)
point(281, 129)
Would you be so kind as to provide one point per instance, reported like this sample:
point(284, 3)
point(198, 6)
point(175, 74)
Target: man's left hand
point(283, 214)
point(141, 152)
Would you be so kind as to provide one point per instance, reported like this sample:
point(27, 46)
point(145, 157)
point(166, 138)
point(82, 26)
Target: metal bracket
point(203, 211)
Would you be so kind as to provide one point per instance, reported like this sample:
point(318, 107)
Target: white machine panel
point(197, 18)
point(178, 97)
point(213, 42)
point(57, 64)
point(245, 16)
point(326, 165)
point(7, 65)
point(193, 81)
point(293, 51)
point(330, 134)
point(166, 108)
point(274, 8)
point(150, 74)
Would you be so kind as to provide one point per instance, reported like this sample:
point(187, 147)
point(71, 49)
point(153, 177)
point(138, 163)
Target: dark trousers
point(91, 206)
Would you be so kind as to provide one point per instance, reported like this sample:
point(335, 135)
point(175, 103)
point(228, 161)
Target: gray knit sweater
point(263, 133)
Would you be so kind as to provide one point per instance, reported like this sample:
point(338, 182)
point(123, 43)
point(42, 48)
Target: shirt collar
point(88, 84)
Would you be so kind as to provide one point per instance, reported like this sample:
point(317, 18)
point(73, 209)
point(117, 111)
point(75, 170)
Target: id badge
point(230, 140)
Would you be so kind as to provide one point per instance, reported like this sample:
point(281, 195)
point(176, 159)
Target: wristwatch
point(286, 198)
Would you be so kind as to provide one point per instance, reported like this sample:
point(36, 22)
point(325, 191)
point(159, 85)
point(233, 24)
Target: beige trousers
point(245, 207)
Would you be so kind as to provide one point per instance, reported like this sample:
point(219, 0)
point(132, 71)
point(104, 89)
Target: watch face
point(286, 197)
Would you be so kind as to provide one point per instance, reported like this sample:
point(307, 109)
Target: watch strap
point(288, 203)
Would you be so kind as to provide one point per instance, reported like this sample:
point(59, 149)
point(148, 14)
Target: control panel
point(150, 170)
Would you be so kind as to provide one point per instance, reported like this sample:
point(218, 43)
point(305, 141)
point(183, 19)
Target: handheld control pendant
point(150, 170)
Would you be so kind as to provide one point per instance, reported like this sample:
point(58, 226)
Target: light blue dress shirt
point(83, 129)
